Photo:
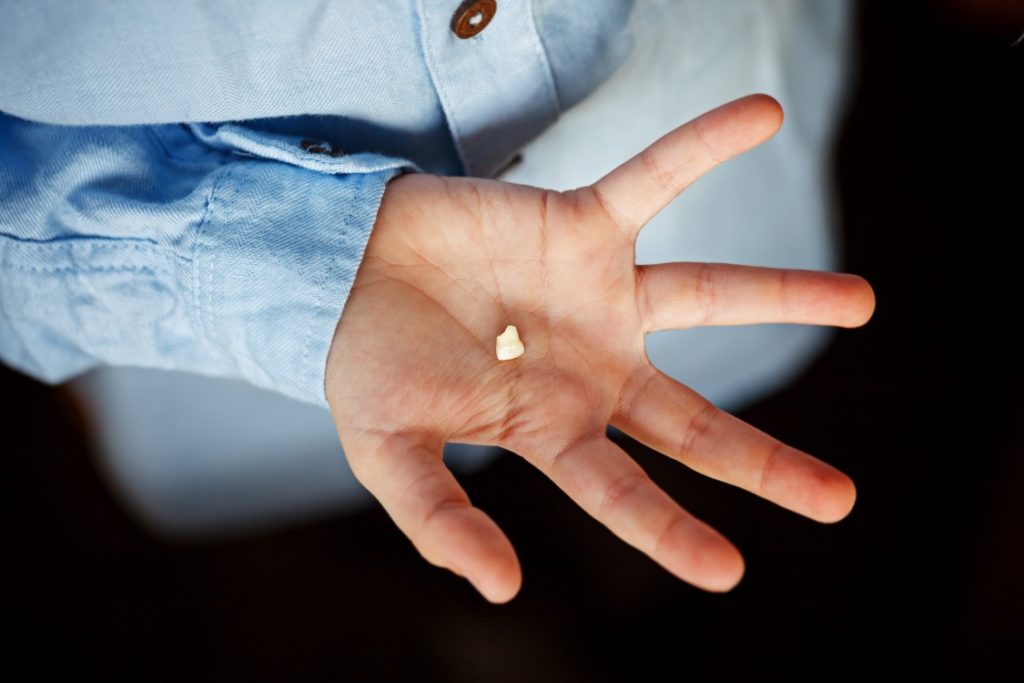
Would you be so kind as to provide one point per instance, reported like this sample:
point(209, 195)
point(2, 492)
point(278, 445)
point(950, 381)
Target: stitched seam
point(542, 55)
point(80, 269)
point(9, 324)
point(195, 298)
point(432, 67)
point(110, 244)
point(377, 196)
point(308, 337)
point(318, 303)
point(94, 242)
point(211, 267)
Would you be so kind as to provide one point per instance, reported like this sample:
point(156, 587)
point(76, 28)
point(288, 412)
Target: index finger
point(635, 191)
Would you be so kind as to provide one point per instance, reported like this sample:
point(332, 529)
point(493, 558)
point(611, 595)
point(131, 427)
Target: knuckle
point(632, 398)
point(609, 210)
point(620, 490)
point(700, 133)
point(663, 538)
point(698, 429)
point(704, 293)
point(785, 294)
point(643, 298)
point(771, 459)
point(656, 170)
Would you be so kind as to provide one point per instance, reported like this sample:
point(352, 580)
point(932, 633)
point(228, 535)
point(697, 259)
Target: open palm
point(452, 261)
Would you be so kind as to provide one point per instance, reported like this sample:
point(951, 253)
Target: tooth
point(508, 345)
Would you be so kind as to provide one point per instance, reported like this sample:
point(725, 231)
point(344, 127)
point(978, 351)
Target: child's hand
point(452, 261)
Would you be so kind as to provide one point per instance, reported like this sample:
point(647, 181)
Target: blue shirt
point(191, 185)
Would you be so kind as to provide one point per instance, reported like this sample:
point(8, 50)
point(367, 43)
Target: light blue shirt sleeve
point(212, 250)
point(158, 207)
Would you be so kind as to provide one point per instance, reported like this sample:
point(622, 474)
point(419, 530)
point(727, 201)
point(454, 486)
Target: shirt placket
point(496, 87)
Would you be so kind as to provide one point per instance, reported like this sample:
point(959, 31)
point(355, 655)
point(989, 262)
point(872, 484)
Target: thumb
point(638, 189)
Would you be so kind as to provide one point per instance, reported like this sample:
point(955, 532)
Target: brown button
point(314, 147)
point(472, 16)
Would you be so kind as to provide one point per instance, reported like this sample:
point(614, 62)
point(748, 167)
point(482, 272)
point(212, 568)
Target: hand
point(452, 261)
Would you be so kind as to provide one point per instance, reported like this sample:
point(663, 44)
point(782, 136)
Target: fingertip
point(829, 496)
point(731, 568)
point(862, 301)
point(838, 500)
point(712, 563)
point(470, 544)
point(769, 109)
point(762, 115)
point(498, 576)
point(739, 125)
point(809, 486)
point(851, 500)
point(499, 587)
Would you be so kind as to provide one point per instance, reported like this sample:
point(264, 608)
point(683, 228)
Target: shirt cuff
point(274, 260)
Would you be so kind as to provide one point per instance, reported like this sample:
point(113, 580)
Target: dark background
point(922, 408)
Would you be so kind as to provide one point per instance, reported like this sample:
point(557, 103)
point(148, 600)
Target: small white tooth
point(508, 345)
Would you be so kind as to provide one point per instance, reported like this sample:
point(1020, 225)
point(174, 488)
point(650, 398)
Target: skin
point(452, 261)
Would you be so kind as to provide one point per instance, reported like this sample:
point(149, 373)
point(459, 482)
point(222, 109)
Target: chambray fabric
point(138, 246)
point(201, 455)
point(156, 206)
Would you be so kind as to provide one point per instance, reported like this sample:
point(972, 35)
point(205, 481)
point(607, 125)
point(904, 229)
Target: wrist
point(382, 241)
